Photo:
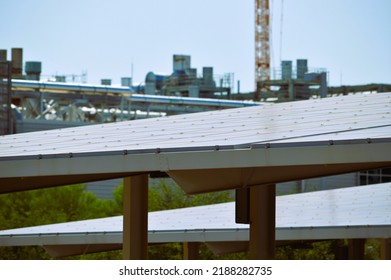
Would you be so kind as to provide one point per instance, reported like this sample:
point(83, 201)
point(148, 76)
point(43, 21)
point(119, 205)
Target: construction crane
point(262, 44)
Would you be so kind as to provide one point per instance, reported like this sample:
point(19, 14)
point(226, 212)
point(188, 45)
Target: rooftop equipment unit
point(3, 55)
point(33, 70)
point(207, 75)
point(302, 68)
point(286, 68)
point(181, 62)
point(105, 82)
point(60, 79)
point(126, 82)
point(17, 61)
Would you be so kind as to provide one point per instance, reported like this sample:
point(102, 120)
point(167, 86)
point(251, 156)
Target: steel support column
point(191, 250)
point(356, 249)
point(386, 249)
point(262, 222)
point(291, 90)
point(135, 223)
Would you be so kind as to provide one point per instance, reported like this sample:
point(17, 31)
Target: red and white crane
point(262, 42)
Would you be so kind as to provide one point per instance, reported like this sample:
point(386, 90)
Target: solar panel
point(206, 140)
point(226, 127)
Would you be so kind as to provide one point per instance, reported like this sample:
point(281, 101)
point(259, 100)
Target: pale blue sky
point(351, 38)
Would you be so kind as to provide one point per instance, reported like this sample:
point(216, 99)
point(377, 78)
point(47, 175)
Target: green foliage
point(174, 251)
point(206, 254)
point(164, 194)
point(23, 253)
point(168, 251)
point(306, 251)
point(325, 250)
point(372, 249)
point(53, 205)
point(110, 255)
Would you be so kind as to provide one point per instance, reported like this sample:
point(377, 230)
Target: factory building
point(34, 104)
point(184, 81)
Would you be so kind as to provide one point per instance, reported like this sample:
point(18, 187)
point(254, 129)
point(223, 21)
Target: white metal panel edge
point(323, 154)
point(228, 235)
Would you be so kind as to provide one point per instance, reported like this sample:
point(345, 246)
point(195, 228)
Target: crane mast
point(262, 47)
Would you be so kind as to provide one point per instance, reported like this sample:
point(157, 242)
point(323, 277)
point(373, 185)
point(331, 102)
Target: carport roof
point(231, 148)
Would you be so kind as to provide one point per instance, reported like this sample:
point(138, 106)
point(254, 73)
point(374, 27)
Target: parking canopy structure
point(248, 148)
point(354, 213)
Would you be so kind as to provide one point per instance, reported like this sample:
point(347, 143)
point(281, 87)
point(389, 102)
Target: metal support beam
point(135, 223)
point(191, 250)
point(386, 249)
point(242, 206)
point(6, 123)
point(356, 249)
point(291, 89)
point(262, 222)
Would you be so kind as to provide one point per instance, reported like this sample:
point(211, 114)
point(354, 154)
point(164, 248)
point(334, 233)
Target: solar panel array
point(338, 118)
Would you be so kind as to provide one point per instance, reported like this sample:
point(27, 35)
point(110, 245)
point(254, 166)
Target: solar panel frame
point(229, 138)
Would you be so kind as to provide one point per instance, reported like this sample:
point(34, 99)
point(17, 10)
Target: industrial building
point(54, 104)
point(184, 81)
point(34, 104)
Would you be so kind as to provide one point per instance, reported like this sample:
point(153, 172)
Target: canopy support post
point(135, 223)
point(262, 222)
point(191, 250)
